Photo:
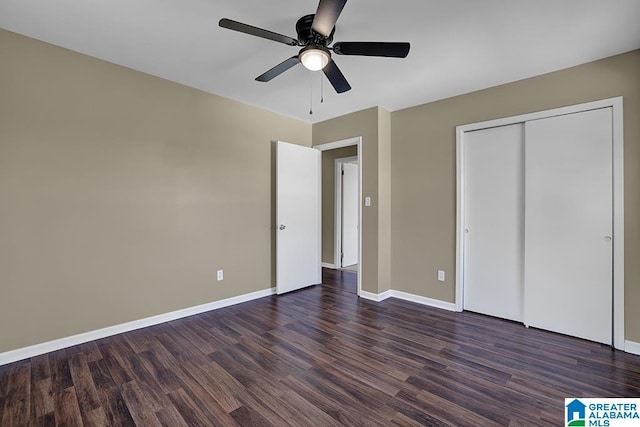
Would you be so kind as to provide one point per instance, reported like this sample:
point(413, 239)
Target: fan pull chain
point(321, 88)
point(311, 94)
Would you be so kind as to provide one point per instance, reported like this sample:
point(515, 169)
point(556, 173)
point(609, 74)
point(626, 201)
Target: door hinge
point(342, 173)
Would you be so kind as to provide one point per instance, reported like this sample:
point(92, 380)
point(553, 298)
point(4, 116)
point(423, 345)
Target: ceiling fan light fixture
point(314, 57)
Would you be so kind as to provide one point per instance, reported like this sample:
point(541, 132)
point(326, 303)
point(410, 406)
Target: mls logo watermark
point(602, 412)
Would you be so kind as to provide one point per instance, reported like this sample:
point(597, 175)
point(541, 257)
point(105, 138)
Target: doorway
point(332, 219)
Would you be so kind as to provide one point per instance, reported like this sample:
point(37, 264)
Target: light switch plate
point(367, 201)
point(441, 275)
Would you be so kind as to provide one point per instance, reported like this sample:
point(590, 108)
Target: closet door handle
point(609, 238)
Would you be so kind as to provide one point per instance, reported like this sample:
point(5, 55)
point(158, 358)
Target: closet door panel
point(568, 224)
point(493, 221)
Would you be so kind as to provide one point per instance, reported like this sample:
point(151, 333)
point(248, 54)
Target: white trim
point(561, 111)
point(449, 306)
point(319, 191)
point(618, 224)
point(339, 144)
point(337, 213)
point(328, 265)
point(632, 347)
point(49, 346)
point(357, 141)
point(424, 300)
point(46, 347)
point(375, 297)
point(460, 209)
point(618, 199)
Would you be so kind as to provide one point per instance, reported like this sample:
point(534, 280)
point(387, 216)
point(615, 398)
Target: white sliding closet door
point(568, 226)
point(493, 221)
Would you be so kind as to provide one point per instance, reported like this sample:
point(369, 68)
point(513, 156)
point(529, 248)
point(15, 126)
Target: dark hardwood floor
point(340, 280)
point(317, 357)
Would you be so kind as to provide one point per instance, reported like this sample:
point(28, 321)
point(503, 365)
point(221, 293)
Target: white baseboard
point(46, 347)
point(375, 297)
point(331, 266)
point(424, 300)
point(632, 347)
point(408, 297)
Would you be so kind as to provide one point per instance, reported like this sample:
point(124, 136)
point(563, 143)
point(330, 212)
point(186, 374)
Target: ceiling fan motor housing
point(306, 36)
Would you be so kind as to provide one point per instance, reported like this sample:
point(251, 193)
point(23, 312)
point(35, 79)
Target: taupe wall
point(329, 199)
point(370, 127)
point(423, 170)
point(384, 200)
point(121, 194)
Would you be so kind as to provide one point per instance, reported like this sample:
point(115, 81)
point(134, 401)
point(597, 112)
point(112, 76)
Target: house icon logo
point(576, 413)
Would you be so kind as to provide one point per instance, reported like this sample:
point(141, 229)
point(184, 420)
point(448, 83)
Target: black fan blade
point(326, 16)
point(255, 31)
point(278, 69)
point(387, 49)
point(335, 76)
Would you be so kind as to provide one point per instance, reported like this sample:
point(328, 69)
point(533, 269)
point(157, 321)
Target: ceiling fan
point(315, 34)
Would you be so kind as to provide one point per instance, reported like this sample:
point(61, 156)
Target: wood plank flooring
point(317, 357)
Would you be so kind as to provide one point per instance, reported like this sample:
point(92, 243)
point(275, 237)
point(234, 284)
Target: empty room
point(319, 213)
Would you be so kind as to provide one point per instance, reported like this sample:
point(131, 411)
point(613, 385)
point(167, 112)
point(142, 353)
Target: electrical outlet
point(441, 275)
point(220, 275)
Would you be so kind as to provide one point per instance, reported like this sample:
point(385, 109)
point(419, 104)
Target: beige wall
point(423, 170)
point(374, 126)
point(329, 199)
point(365, 124)
point(384, 200)
point(121, 194)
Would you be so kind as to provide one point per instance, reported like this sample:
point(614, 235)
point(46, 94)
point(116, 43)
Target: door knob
point(607, 238)
point(282, 226)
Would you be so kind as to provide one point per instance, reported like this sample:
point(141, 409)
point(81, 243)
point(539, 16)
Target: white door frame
point(357, 141)
point(618, 199)
point(337, 262)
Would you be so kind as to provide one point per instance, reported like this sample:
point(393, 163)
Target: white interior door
point(493, 221)
point(350, 205)
point(298, 217)
point(568, 230)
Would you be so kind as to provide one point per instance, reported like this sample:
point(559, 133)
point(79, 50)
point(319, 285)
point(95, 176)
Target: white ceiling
point(457, 46)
